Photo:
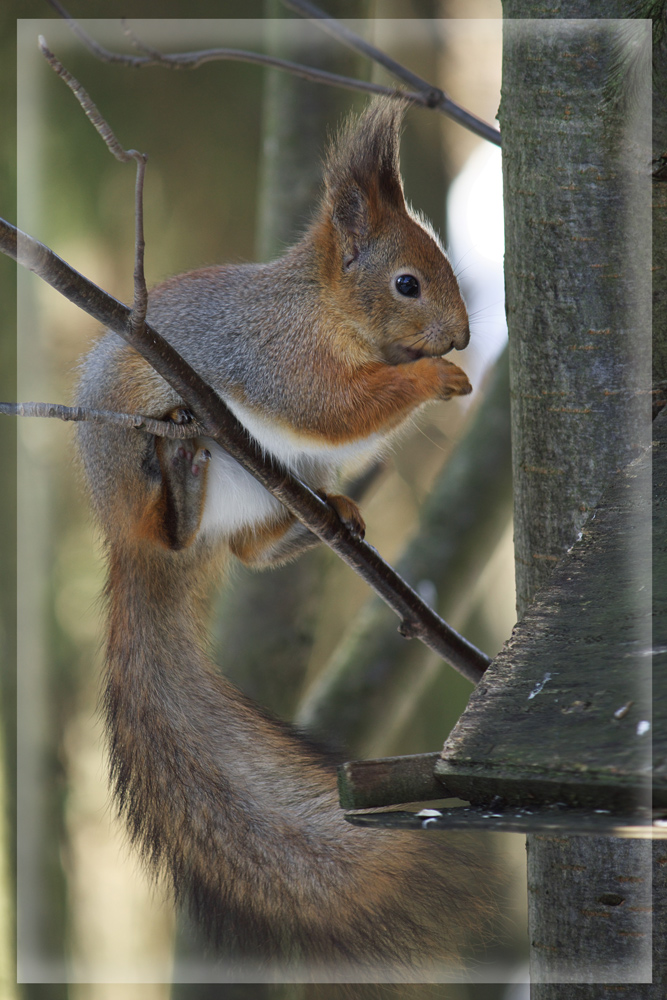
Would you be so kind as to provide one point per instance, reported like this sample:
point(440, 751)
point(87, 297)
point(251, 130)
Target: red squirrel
point(322, 354)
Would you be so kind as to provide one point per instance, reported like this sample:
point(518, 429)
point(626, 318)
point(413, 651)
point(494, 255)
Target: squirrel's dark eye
point(407, 284)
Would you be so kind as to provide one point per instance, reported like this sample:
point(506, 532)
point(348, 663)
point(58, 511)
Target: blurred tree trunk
point(37, 681)
point(269, 663)
point(375, 675)
point(375, 682)
point(267, 620)
point(298, 116)
point(575, 151)
point(8, 538)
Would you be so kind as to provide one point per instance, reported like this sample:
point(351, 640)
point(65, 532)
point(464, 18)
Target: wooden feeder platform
point(567, 730)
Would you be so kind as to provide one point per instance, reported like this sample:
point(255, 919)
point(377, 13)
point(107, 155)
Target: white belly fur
point(234, 498)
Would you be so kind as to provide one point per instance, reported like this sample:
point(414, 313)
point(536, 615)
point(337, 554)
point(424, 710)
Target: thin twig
point(343, 34)
point(193, 60)
point(137, 42)
point(124, 156)
point(160, 428)
point(140, 303)
point(90, 108)
point(432, 97)
point(425, 95)
point(220, 424)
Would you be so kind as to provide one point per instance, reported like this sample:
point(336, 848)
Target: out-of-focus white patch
point(476, 243)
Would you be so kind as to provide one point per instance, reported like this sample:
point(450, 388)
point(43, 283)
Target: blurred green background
point(87, 912)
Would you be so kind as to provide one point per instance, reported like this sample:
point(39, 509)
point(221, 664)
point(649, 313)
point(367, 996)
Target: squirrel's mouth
point(402, 354)
point(413, 354)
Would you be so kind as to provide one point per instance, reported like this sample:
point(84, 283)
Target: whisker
point(430, 440)
point(455, 267)
point(491, 305)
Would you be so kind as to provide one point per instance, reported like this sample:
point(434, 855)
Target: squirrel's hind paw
point(348, 512)
point(184, 467)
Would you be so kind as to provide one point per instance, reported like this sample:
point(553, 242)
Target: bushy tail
point(240, 814)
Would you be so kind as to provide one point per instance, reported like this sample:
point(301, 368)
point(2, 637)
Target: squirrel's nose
point(456, 337)
point(461, 338)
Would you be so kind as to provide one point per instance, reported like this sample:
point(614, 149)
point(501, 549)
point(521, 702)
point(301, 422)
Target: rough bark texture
point(576, 281)
point(624, 902)
point(576, 269)
point(573, 682)
point(659, 215)
point(605, 894)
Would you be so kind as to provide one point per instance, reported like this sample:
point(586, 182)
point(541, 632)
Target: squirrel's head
point(389, 272)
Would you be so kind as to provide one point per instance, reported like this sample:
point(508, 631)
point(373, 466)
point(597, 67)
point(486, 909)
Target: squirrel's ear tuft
point(362, 175)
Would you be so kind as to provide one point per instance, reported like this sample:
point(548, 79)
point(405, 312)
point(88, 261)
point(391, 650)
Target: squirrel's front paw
point(453, 380)
point(348, 512)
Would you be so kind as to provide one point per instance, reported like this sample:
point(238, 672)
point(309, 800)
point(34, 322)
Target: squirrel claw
point(348, 512)
point(201, 459)
point(181, 415)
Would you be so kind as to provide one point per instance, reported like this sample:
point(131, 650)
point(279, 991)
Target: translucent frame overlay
point(107, 937)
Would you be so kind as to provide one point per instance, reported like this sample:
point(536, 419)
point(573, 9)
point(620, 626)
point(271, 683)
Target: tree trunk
point(659, 215)
point(577, 279)
point(269, 663)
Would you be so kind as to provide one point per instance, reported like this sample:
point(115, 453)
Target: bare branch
point(462, 520)
point(220, 424)
point(83, 36)
point(430, 96)
point(137, 43)
point(124, 156)
point(160, 428)
point(193, 60)
point(92, 112)
point(425, 94)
